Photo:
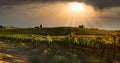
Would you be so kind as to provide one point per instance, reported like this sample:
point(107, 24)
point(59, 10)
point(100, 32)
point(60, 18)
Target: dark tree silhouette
point(41, 26)
point(81, 26)
point(1, 26)
point(36, 27)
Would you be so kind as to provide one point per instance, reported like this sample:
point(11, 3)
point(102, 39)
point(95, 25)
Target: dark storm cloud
point(99, 4)
point(12, 2)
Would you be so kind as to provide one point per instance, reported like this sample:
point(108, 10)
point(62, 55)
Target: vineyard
point(71, 48)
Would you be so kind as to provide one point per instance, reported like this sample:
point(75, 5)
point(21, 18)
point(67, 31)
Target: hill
point(57, 31)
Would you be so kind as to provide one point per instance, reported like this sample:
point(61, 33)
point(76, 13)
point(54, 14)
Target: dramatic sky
point(102, 14)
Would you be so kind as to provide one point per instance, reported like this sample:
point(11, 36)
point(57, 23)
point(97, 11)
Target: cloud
point(101, 4)
point(98, 4)
point(17, 13)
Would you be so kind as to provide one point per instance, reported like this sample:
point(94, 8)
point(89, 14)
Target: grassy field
point(60, 45)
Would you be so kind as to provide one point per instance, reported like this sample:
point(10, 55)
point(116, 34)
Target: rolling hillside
point(57, 31)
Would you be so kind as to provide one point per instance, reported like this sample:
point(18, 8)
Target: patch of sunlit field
point(3, 61)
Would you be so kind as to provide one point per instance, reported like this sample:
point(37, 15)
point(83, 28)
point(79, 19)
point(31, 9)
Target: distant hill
point(57, 31)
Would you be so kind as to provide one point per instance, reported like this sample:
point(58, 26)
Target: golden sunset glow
point(69, 14)
point(75, 6)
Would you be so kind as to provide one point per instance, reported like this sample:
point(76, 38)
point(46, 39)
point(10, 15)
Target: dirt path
point(10, 53)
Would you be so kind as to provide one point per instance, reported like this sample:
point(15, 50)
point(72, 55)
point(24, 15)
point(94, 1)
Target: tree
point(81, 26)
point(41, 26)
point(1, 26)
point(36, 27)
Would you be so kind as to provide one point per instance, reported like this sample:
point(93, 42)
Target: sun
point(75, 6)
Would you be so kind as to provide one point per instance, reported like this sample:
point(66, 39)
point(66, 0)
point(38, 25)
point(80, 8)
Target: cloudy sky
point(102, 14)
